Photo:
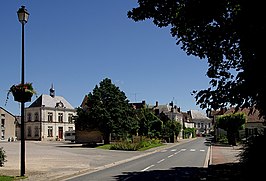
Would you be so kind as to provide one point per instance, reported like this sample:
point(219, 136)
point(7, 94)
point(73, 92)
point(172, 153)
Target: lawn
point(10, 178)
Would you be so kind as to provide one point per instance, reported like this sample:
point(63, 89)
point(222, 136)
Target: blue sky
point(74, 45)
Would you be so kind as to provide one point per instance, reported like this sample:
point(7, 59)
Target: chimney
point(143, 103)
point(156, 104)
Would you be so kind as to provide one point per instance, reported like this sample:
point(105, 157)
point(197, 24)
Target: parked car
point(70, 136)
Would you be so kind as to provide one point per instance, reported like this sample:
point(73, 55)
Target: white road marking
point(147, 168)
point(202, 150)
point(164, 151)
point(161, 161)
point(173, 150)
point(180, 151)
point(170, 156)
point(192, 150)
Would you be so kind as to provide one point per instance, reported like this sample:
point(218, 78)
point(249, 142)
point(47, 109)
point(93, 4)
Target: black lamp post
point(23, 18)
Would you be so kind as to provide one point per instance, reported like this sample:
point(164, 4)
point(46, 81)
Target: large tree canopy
point(232, 123)
point(108, 110)
point(229, 34)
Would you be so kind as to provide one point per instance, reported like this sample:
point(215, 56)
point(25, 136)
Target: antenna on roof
point(52, 91)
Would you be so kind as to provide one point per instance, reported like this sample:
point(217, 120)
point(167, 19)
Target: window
point(29, 131)
point(50, 117)
point(202, 125)
point(198, 125)
point(36, 131)
point(29, 117)
point(70, 128)
point(50, 131)
point(70, 118)
point(60, 117)
point(2, 123)
point(36, 116)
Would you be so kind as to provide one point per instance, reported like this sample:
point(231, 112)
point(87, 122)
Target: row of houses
point(190, 119)
point(49, 117)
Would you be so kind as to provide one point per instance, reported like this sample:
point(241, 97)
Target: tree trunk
point(106, 138)
point(231, 138)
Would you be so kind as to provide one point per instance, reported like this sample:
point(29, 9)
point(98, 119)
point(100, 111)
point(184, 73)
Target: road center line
point(170, 156)
point(161, 161)
point(147, 168)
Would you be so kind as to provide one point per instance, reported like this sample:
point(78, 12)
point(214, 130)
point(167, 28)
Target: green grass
point(10, 178)
point(105, 147)
point(153, 145)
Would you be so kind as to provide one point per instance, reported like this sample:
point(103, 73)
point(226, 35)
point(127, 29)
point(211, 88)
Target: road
point(184, 157)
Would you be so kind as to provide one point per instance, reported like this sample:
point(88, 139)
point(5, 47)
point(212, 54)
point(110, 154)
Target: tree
point(149, 124)
point(109, 111)
point(171, 128)
point(2, 157)
point(229, 34)
point(231, 123)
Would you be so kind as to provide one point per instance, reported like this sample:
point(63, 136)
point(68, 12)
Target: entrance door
point(60, 132)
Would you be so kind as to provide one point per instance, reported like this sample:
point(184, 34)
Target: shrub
point(2, 157)
point(129, 146)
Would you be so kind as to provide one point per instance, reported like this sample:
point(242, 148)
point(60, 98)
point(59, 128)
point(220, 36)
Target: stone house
point(202, 123)
point(7, 125)
point(48, 117)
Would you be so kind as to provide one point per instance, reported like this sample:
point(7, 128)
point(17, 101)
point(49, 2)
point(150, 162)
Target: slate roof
point(49, 101)
point(197, 115)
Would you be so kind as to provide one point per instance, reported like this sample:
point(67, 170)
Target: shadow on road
point(229, 171)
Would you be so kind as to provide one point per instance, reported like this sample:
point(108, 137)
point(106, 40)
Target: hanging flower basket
point(22, 92)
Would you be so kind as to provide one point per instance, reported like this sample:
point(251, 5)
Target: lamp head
point(23, 15)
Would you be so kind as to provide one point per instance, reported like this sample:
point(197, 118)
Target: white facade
point(48, 118)
point(202, 123)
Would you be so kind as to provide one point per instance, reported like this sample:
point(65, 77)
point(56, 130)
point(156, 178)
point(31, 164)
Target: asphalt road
point(193, 154)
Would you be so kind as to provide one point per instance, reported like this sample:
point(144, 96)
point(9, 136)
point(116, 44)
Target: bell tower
point(52, 91)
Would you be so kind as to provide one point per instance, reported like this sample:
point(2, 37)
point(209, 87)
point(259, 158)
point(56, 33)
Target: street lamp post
point(23, 18)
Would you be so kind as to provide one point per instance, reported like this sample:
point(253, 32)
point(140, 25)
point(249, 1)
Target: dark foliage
point(108, 110)
point(2, 156)
point(253, 158)
point(229, 34)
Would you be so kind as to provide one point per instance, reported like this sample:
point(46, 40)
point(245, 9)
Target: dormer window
point(59, 104)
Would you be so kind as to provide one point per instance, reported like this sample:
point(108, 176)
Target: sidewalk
point(221, 154)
